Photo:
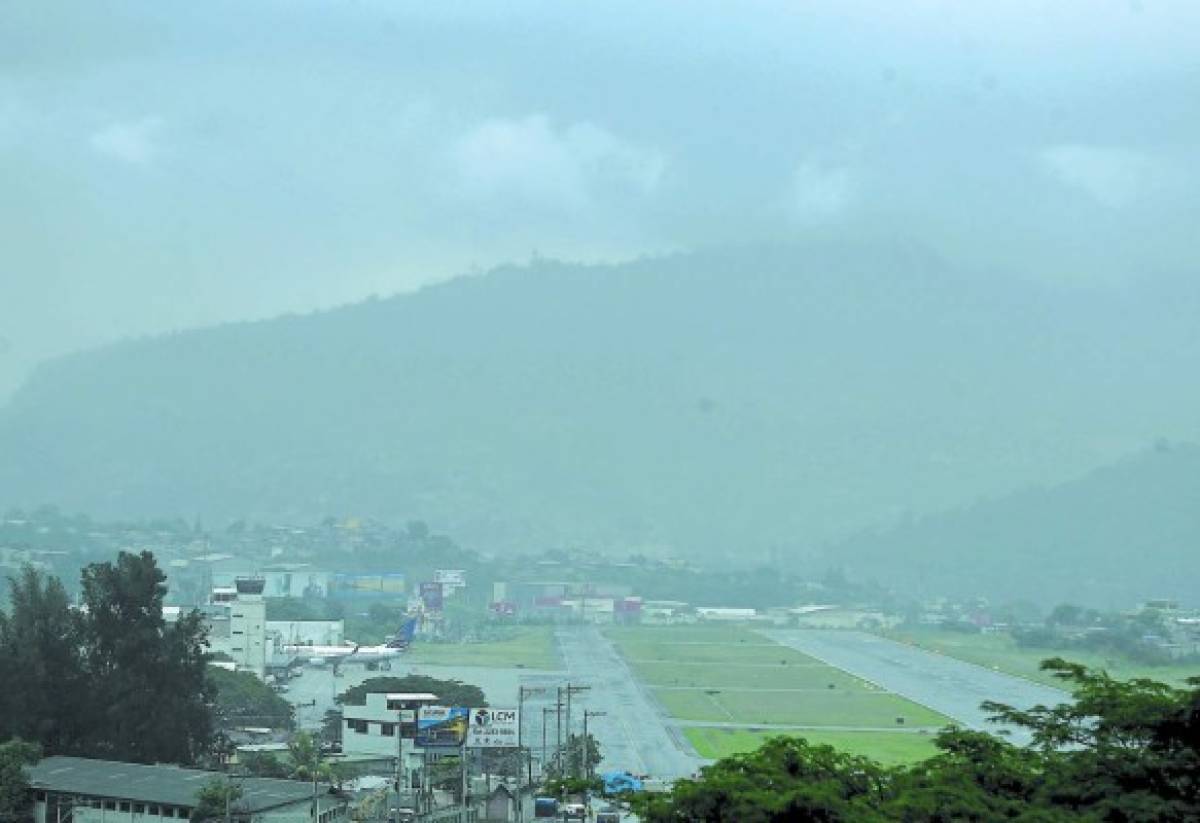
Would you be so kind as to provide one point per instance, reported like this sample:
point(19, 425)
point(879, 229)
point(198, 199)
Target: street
point(634, 735)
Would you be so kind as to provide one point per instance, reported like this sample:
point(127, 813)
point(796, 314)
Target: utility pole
point(545, 721)
point(570, 691)
point(520, 765)
point(401, 776)
point(522, 693)
point(587, 760)
point(466, 781)
point(558, 739)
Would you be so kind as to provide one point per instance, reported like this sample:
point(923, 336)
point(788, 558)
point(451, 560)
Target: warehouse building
point(106, 791)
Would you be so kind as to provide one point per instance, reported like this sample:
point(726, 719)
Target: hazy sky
point(169, 164)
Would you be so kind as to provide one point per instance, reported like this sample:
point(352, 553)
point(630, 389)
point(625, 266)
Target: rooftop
point(156, 784)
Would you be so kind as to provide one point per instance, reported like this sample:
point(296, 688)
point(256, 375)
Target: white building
point(108, 791)
point(244, 636)
point(727, 614)
point(385, 726)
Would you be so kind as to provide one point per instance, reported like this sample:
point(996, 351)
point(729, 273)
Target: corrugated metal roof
point(157, 784)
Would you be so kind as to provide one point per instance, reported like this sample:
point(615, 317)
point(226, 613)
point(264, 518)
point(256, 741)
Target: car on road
point(609, 814)
point(574, 811)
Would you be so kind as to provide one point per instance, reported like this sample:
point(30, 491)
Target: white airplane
point(358, 653)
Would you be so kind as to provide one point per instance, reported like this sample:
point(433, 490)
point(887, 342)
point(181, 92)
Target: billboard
point(451, 578)
point(282, 583)
point(367, 586)
point(431, 596)
point(493, 729)
point(441, 726)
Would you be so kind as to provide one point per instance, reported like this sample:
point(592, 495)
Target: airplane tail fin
point(404, 638)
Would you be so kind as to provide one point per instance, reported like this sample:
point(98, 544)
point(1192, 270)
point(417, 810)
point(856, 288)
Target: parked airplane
point(380, 656)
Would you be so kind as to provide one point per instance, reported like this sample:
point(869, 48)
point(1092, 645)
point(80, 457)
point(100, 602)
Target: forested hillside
point(743, 401)
point(1128, 532)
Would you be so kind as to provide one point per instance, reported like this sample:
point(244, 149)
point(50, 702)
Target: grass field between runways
point(529, 647)
point(733, 675)
point(888, 748)
point(818, 707)
point(810, 674)
point(999, 651)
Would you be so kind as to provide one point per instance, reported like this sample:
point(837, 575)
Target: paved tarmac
point(634, 734)
point(946, 685)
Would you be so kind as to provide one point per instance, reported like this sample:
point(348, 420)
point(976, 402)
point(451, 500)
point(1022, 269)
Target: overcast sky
point(172, 164)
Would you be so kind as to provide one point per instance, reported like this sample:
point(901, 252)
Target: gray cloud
point(136, 142)
point(530, 161)
point(169, 165)
point(1113, 177)
point(820, 192)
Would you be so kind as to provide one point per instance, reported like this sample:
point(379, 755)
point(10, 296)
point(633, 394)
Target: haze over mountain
point(176, 165)
point(1125, 533)
point(736, 402)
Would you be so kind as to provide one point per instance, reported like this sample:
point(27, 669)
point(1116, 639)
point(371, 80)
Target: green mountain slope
point(1122, 534)
point(736, 402)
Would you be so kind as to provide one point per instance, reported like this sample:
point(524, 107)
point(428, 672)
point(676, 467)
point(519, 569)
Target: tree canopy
point(243, 699)
point(15, 799)
point(1119, 751)
point(449, 692)
point(137, 685)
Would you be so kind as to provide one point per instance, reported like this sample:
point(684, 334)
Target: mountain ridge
point(1123, 533)
point(745, 401)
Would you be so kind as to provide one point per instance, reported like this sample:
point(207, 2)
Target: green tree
point(243, 699)
point(40, 660)
point(149, 690)
point(975, 777)
point(15, 798)
point(264, 764)
point(217, 797)
point(786, 779)
point(449, 692)
point(580, 757)
point(305, 757)
point(1118, 751)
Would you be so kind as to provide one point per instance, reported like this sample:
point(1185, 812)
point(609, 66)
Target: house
point(106, 791)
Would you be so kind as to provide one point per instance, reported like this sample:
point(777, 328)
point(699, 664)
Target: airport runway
point(634, 735)
point(946, 685)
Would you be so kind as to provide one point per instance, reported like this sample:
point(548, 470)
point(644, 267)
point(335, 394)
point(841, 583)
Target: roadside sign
point(441, 726)
point(493, 729)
